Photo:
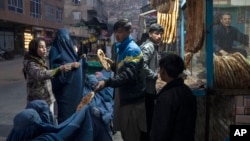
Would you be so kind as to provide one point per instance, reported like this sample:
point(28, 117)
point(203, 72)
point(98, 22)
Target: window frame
point(35, 8)
point(59, 14)
point(15, 5)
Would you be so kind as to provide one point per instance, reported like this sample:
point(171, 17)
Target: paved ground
point(12, 95)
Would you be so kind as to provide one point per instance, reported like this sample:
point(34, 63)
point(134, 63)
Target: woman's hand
point(75, 65)
point(65, 68)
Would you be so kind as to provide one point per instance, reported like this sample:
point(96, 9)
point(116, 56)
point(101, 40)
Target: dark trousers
point(149, 105)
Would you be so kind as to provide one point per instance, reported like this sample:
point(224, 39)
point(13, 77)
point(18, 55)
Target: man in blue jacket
point(129, 113)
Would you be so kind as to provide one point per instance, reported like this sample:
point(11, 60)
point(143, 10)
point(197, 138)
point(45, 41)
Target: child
point(175, 109)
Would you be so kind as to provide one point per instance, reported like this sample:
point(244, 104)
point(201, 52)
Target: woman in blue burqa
point(68, 86)
point(35, 123)
point(90, 123)
point(101, 106)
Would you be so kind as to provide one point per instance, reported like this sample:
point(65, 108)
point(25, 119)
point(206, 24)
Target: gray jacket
point(151, 61)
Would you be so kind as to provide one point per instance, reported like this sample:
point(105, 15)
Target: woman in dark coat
point(67, 87)
point(175, 109)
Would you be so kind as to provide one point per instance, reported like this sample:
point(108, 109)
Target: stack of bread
point(168, 20)
point(231, 71)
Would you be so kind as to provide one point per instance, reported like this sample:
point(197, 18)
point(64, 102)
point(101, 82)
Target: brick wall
point(26, 19)
point(242, 109)
point(223, 111)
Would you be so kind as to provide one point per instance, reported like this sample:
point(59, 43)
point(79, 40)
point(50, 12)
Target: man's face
point(121, 34)
point(226, 20)
point(156, 36)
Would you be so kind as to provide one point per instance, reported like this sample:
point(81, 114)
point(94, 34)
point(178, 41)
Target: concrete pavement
point(12, 93)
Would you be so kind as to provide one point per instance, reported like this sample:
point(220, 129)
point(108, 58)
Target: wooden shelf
point(231, 92)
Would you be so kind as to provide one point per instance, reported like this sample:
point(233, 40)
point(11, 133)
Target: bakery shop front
point(212, 36)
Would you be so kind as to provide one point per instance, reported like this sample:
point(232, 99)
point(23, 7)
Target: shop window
point(27, 38)
point(77, 2)
point(35, 8)
point(6, 40)
point(15, 5)
point(231, 46)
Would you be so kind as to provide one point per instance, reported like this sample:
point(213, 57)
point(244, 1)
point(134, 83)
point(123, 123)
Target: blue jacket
point(129, 73)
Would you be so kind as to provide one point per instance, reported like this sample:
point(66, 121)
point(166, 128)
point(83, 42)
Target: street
point(13, 94)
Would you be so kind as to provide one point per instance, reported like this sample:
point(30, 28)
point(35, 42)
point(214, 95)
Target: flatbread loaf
point(101, 57)
point(85, 100)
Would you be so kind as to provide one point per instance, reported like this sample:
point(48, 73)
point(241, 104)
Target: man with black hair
point(225, 35)
point(129, 112)
point(151, 58)
point(175, 110)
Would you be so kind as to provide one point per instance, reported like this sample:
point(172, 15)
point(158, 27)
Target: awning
point(162, 6)
point(95, 21)
point(148, 12)
point(98, 24)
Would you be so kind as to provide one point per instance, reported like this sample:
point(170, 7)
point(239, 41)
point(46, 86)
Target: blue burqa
point(42, 108)
point(67, 86)
point(103, 100)
point(35, 123)
point(101, 107)
point(28, 126)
